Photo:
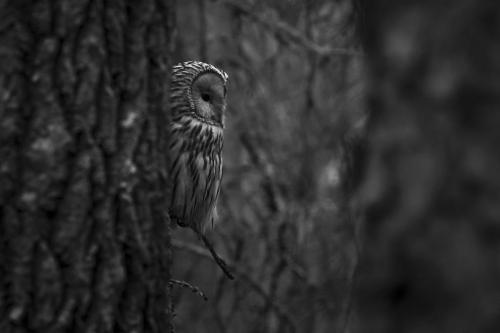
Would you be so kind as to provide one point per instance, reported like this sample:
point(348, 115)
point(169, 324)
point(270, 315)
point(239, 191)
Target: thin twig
point(222, 264)
point(278, 309)
point(270, 186)
point(282, 29)
point(188, 285)
point(218, 260)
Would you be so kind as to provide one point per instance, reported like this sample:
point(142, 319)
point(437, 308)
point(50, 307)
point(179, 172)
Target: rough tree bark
point(431, 228)
point(84, 241)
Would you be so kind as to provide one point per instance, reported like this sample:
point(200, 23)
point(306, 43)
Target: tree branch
point(287, 32)
point(278, 309)
point(191, 287)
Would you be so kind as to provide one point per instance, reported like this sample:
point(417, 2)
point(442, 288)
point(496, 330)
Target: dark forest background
point(361, 167)
point(295, 96)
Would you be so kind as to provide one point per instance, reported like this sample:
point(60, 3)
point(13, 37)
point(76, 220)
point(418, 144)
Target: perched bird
point(198, 102)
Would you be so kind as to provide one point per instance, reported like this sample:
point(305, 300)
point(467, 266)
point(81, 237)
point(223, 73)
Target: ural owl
point(198, 102)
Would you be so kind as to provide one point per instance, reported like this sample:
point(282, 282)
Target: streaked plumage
point(198, 102)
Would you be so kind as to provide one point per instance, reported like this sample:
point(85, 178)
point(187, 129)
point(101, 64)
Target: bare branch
point(285, 31)
point(222, 264)
point(189, 286)
point(278, 309)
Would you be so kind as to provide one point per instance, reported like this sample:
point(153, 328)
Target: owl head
point(199, 90)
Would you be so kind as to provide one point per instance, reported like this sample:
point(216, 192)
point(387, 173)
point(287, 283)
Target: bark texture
point(84, 241)
point(431, 232)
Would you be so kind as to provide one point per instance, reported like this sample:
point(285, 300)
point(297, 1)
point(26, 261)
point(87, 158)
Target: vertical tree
point(431, 226)
point(84, 241)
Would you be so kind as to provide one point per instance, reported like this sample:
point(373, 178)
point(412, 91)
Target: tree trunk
point(84, 240)
point(431, 228)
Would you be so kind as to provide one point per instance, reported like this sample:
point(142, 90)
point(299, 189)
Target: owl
point(198, 103)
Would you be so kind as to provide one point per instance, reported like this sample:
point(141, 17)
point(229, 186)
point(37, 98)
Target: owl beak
point(219, 113)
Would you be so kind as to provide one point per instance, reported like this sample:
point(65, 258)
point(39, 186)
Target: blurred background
point(295, 98)
point(361, 183)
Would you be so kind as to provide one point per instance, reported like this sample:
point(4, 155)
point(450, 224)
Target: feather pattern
point(195, 147)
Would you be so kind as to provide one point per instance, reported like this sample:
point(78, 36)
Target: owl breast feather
point(196, 172)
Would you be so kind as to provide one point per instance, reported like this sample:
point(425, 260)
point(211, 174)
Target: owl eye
point(205, 97)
